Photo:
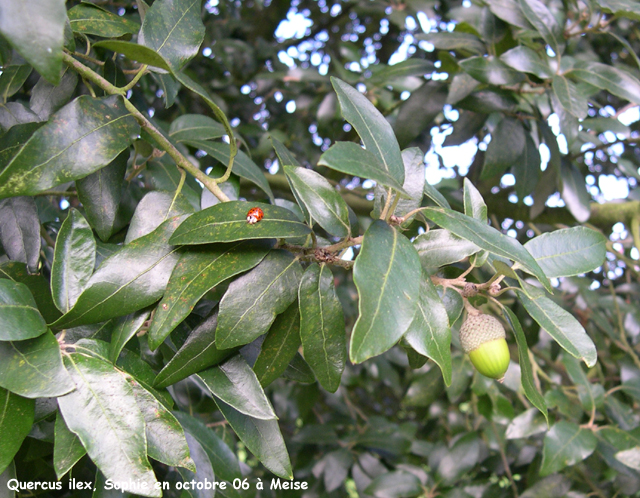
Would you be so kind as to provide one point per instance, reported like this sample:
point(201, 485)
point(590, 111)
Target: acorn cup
point(482, 337)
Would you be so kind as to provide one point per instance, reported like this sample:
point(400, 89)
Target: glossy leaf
point(456, 40)
point(103, 413)
point(564, 445)
point(374, 130)
point(35, 29)
point(418, 112)
point(491, 70)
point(434, 194)
point(154, 209)
point(352, 159)
point(527, 378)
point(12, 79)
point(322, 327)
point(460, 459)
point(542, 19)
point(414, 182)
point(223, 460)
point(124, 329)
point(488, 239)
point(610, 78)
point(528, 423)
point(475, 207)
point(624, 8)
point(568, 251)
point(135, 52)
point(243, 165)
point(320, 198)
point(440, 247)
point(20, 230)
point(429, 333)
point(165, 437)
point(130, 279)
point(73, 260)
point(90, 20)
point(562, 326)
point(204, 474)
point(19, 316)
point(197, 353)
point(198, 271)
point(174, 29)
point(262, 437)
point(570, 96)
point(526, 60)
point(279, 346)
point(395, 484)
point(33, 368)
point(386, 276)
point(47, 98)
point(227, 222)
point(574, 192)
point(57, 152)
point(195, 127)
point(16, 419)
point(235, 383)
point(506, 146)
point(67, 448)
point(409, 67)
point(252, 301)
point(100, 194)
point(591, 395)
point(527, 168)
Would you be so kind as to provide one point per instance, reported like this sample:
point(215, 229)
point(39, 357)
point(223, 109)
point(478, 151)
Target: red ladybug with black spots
point(254, 215)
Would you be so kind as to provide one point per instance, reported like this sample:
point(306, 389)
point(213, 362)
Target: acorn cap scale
point(482, 337)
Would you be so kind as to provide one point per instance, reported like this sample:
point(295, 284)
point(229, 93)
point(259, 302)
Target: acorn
point(483, 338)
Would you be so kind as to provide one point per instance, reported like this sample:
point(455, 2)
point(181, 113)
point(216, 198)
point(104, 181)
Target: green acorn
point(482, 337)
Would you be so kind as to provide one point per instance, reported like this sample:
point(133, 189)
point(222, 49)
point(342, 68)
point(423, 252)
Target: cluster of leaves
point(142, 317)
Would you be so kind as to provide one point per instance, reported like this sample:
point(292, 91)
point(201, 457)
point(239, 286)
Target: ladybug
point(254, 215)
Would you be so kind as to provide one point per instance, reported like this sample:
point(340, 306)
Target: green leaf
point(20, 230)
point(299, 371)
point(555, 485)
point(223, 460)
point(488, 239)
point(47, 98)
point(527, 168)
point(591, 395)
point(135, 52)
point(374, 130)
point(395, 484)
point(35, 29)
point(455, 40)
point(197, 353)
point(610, 78)
point(383, 75)
point(279, 346)
point(124, 329)
point(12, 79)
point(491, 70)
point(262, 437)
point(526, 371)
point(195, 127)
point(569, 251)
point(440, 247)
point(91, 20)
point(198, 271)
point(570, 96)
point(434, 194)
point(322, 201)
point(16, 419)
point(565, 445)
point(386, 274)
point(33, 368)
point(562, 326)
point(252, 301)
point(15, 113)
point(528, 423)
point(19, 316)
point(155, 208)
point(243, 165)
point(165, 437)
point(542, 19)
point(130, 279)
point(429, 333)
point(235, 383)
point(414, 182)
point(460, 459)
point(67, 448)
point(418, 112)
point(526, 60)
point(475, 207)
point(174, 29)
point(73, 260)
point(322, 327)
point(509, 11)
point(100, 195)
point(622, 8)
point(574, 192)
point(506, 147)
point(57, 152)
point(227, 222)
point(352, 159)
